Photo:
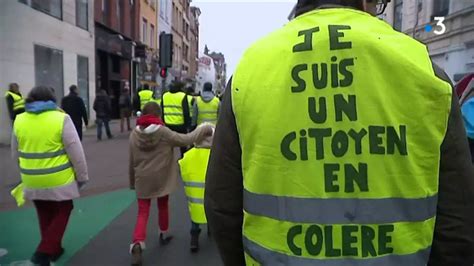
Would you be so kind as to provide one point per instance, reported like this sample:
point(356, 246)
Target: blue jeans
point(195, 228)
point(105, 123)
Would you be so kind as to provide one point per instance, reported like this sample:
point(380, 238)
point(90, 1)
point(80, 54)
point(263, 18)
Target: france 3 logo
point(439, 28)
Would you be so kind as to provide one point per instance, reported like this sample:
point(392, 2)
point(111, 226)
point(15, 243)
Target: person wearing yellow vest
point(367, 164)
point(207, 106)
point(193, 172)
point(52, 165)
point(15, 102)
point(145, 95)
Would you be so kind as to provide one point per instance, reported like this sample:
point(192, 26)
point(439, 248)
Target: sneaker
point(136, 252)
point(165, 239)
point(41, 259)
point(194, 243)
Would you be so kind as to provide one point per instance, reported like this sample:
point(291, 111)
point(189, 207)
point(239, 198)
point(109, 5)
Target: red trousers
point(139, 234)
point(53, 218)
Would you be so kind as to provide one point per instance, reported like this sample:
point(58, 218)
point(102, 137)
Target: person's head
point(13, 87)
point(40, 94)
point(73, 89)
point(151, 108)
point(372, 7)
point(146, 87)
point(207, 86)
point(176, 86)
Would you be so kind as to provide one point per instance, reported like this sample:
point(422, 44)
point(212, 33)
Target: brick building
point(117, 33)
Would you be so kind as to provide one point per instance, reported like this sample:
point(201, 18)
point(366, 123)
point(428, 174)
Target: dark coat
point(10, 103)
point(102, 107)
point(74, 106)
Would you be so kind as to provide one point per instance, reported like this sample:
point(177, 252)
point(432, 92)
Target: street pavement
point(102, 222)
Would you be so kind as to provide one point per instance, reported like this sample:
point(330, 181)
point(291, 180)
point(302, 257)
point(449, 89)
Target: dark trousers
point(182, 129)
point(471, 147)
point(78, 126)
point(53, 218)
point(195, 228)
point(103, 122)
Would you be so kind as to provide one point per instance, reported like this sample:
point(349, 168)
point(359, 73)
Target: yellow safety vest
point(18, 101)
point(193, 171)
point(145, 97)
point(347, 172)
point(207, 111)
point(42, 158)
point(173, 108)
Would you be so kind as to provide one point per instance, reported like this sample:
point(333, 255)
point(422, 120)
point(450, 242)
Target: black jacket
point(453, 242)
point(102, 107)
point(74, 106)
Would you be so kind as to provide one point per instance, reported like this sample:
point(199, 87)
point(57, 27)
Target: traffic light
point(166, 50)
point(163, 72)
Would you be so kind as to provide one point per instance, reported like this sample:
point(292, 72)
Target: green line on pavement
point(19, 229)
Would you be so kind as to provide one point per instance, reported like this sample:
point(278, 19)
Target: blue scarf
point(40, 107)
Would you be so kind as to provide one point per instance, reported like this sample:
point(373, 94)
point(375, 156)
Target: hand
point(208, 131)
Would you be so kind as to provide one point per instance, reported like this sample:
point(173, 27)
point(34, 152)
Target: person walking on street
point(52, 165)
point(15, 101)
point(193, 168)
point(74, 106)
point(103, 110)
point(145, 95)
point(207, 106)
point(154, 171)
point(125, 104)
point(367, 163)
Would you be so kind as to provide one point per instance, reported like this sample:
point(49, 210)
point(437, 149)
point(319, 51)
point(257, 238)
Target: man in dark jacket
point(103, 109)
point(74, 106)
point(15, 101)
point(453, 239)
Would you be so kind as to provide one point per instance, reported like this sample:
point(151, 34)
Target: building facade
point(195, 12)
point(49, 43)
point(148, 59)
point(177, 30)
point(117, 34)
point(453, 50)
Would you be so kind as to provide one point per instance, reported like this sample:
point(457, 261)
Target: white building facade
point(49, 43)
point(165, 13)
point(452, 50)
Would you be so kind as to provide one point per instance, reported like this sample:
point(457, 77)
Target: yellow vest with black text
point(145, 97)
point(173, 108)
point(346, 171)
point(43, 161)
point(18, 101)
point(207, 111)
point(193, 171)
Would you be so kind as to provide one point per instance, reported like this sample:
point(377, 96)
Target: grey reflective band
point(196, 200)
point(209, 120)
point(180, 114)
point(268, 257)
point(43, 155)
point(172, 106)
point(194, 184)
point(340, 211)
point(46, 171)
point(208, 112)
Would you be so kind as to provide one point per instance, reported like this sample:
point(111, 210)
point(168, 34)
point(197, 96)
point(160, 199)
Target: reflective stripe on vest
point(207, 111)
point(18, 101)
point(172, 108)
point(42, 158)
point(347, 173)
point(193, 171)
point(145, 97)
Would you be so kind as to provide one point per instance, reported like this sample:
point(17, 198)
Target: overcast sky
point(232, 26)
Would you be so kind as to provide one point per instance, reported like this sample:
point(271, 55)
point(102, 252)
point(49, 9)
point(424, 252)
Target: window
point(82, 14)
point(398, 16)
point(83, 79)
point(161, 8)
point(440, 8)
point(49, 69)
point(51, 7)
point(184, 27)
point(185, 52)
point(144, 30)
point(152, 36)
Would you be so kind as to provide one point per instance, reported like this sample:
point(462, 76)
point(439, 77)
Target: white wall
point(21, 27)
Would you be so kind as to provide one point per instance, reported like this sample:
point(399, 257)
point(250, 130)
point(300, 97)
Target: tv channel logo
point(440, 27)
